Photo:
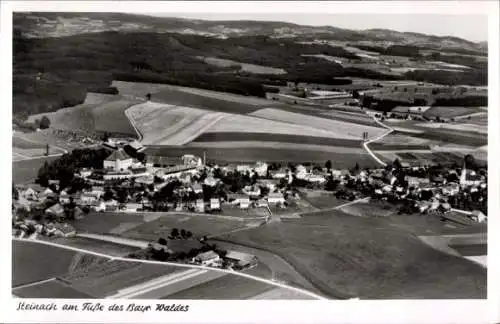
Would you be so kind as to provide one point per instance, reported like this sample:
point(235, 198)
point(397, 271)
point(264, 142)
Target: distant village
point(124, 180)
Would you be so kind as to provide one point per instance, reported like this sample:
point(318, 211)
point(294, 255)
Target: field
point(23, 148)
point(366, 257)
point(449, 112)
point(50, 262)
point(108, 278)
point(342, 129)
point(427, 158)
point(102, 223)
point(242, 124)
point(48, 136)
point(351, 116)
point(321, 198)
point(199, 225)
point(23, 171)
point(466, 127)
point(450, 136)
point(236, 211)
point(281, 294)
point(251, 68)
point(369, 209)
point(228, 287)
point(280, 138)
point(50, 289)
point(93, 116)
point(96, 246)
point(170, 125)
point(191, 97)
point(252, 153)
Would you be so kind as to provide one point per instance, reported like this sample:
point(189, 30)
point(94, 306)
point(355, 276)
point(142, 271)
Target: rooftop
point(118, 155)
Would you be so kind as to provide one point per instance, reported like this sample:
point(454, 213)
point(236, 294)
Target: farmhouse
point(241, 260)
point(57, 210)
point(279, 174)
point(238, 199)
point(176, 171)
point(413, 111)
point(214, 204)
point(64, 230)
point(252, 191)
point(118, 161)
point(276, 198)
point(208, 258)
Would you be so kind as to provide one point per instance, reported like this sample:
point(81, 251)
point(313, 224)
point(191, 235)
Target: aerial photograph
point(232, 157)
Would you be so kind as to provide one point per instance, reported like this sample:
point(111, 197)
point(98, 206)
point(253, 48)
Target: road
point(365, 144)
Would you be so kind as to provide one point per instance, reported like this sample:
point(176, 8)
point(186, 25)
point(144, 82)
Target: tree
point(397, 164)
point(148, 96)
point(328, 164)
point(174, 233)
point(470, 162)
point(189, 234)
point(15, 193)
point(162, 241)
point(105, 137)
point(183, 233)
point(44, 122)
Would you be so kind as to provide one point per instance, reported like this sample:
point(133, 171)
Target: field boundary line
point(39, 157)
point(34, 283)
point(192, 266)
point(132, 121)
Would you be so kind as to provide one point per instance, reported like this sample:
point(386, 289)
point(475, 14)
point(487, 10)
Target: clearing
point(449, 112)
point(251, 68)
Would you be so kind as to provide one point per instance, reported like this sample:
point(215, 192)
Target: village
point(134, 183)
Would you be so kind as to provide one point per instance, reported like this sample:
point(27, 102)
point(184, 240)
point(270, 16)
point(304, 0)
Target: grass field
point(268, 154)
point(198, 225)
point(23, 171)
point(369, 209)
point(96, 246)
point(321, 198)
point(242, 124)
point(93, 116)
point(450, 136)
point(108, 278)
point(449, 112)
point(21, 143)
point(103, 223)
point(50, 289)
point(170, 125)
point(342, 129)
point(46, 136)
point(270, 137)
point(33, 262)
point(366, 257)
point(251, 68)
point(228, 287)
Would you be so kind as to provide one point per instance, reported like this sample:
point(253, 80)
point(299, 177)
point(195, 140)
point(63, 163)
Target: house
point(252, 191)
point(46, 194)
point(479, 216)
point(300, 172)
point(64, 198)
point(136, 146)
point(29, 194)
point(132, 207)
point(239, 199)
point(243, 168)
point(118, 160)
point(279, 174)
point(54, 183)
point(209, 258)
point(451, 189)
point(98, 191)
point(84, 173)
point(316, 178)
point(261, 168)
point(64, 230)
point(214, 204)
point(416, 181)
point(240, 259)
point(88, 198)
point(210, 181)
point(57, 210)
point(189, 159)
point(275, 198)
point(469, 178)
point(268, 183)
point(197, 188)
point(200, 205)
point(98, 206)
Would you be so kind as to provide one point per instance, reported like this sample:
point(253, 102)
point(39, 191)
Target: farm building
point(65, 230)
point(208, 258)
point(261, 168)
point(118, 160)
point(200, 206)
point(416, 181)
point(241, 260)
point(478, 216)
point(175, 171)
point(239, 199)
point(415, 111)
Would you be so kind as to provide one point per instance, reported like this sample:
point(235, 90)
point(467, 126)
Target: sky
point(469, 27)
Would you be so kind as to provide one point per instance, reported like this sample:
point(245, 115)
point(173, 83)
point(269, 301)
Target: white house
point(243, 168)
point(118, 160)
point(210, 181)
point(84, 173)
point(279, 174)
point(132, 207)
point(316, 178)
point(197, 188)
point(98, 191)
point(479, 216)
point(300, 172)
point(208, 258)
point(214, 204)
point(275, 198)
point(261, 168)
point(88, 198)
point(99, 206)
point(200, 206)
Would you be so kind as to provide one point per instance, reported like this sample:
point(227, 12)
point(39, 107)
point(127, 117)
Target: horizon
point(475, 30)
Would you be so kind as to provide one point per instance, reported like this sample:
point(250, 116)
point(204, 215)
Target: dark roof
point(118, 155)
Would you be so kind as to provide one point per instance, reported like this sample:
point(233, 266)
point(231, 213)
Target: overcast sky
point(470, 27)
